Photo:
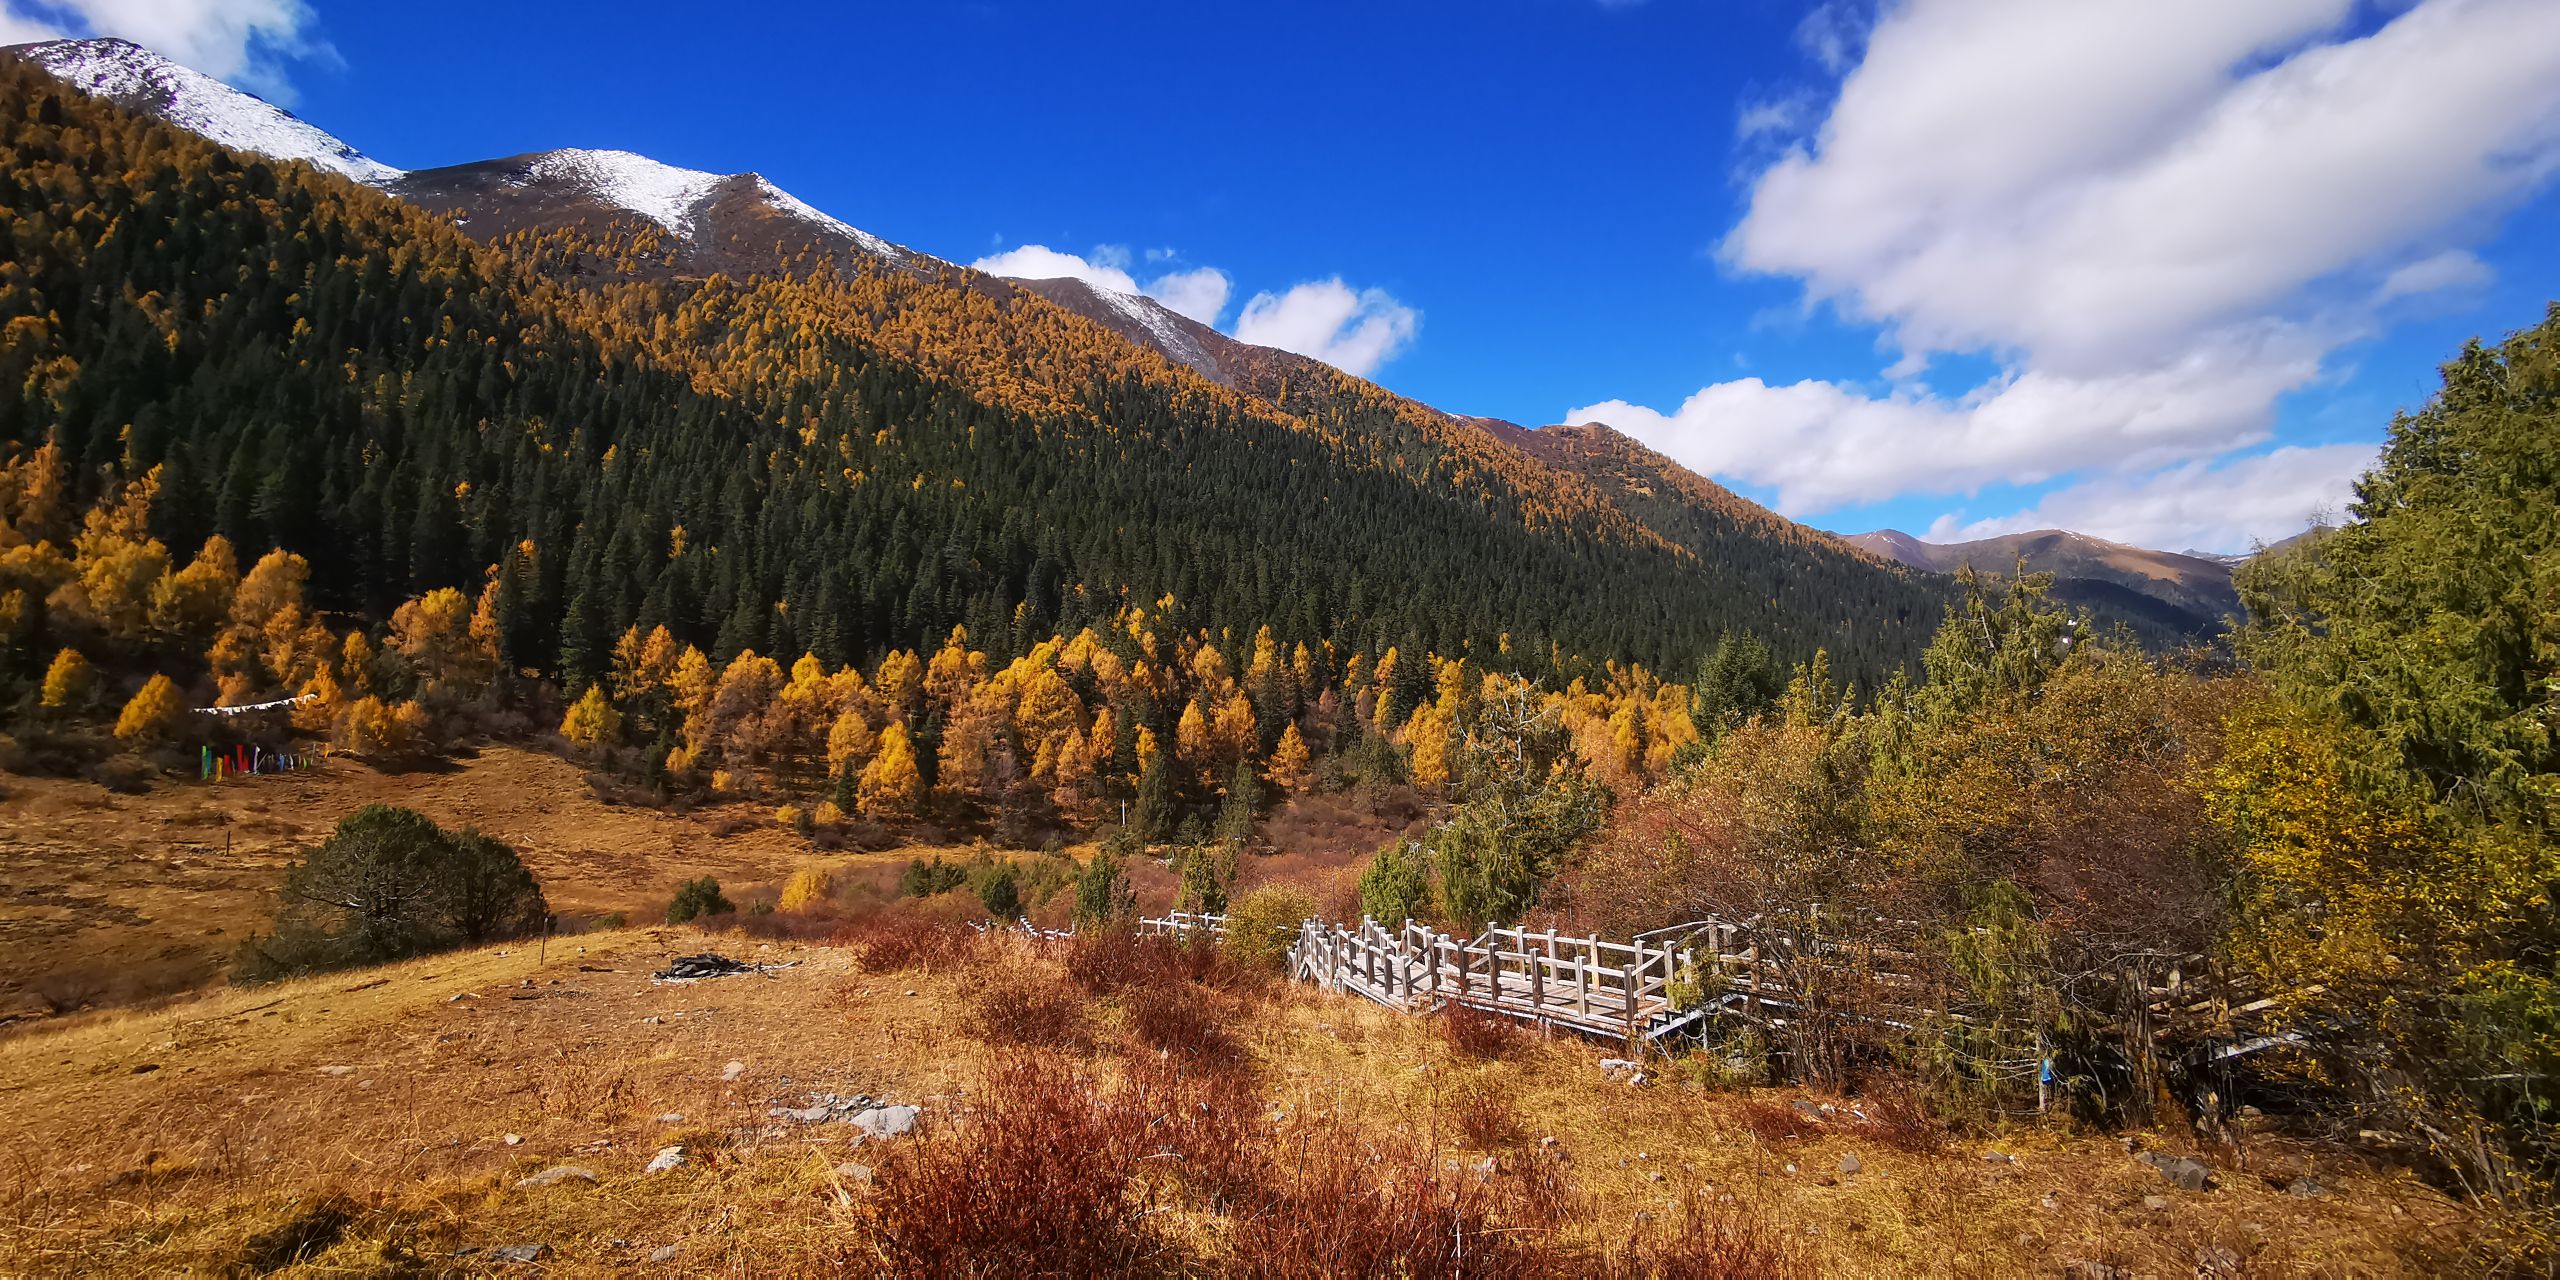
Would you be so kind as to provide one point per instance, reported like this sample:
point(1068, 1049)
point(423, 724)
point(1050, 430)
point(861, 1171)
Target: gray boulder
point(887, 1122)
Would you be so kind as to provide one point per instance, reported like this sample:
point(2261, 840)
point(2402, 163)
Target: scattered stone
point(460, 996)
point(2217, 1260)
point(859, 1174)
point(520, 1252)
point(664, 1254)
point(696, 968)
point(2185, 1173)
point(734, 1070)
point(1999, 1157)
point(337, 1071)
point(910, 993)
point(1620, 1069)
point(145, 1068)
point(652, 1020)
point(513, 1139)
point(2305, 1188)
point(2250, 1113)
point(2156, 1204)
point(2048, 1204)
point(672, 1117)
point(1850, 1164)
point(1655, 1176)
point(1804, 1107)
point(557, 1174)
point(1791, 1166)
point(887, 1122)
point(1547, 1141)
point(668, 1157)
point(806, 1115)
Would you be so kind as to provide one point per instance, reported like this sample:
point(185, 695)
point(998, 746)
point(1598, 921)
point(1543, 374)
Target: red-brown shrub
point(887, 944)
point(1034, 1179)
point(1211, 1125)
point(1899, 1118)
point(1771, 1120)
point(1473, 1033)
point(1481, 1116)
point(1713, 1239)
point(1340, 1206)
point(1184, 1022)
point(1024, 1007)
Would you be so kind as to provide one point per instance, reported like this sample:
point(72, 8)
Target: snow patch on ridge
point(662, 193)
point(803, 210)
point(136, 77)
point(1157, 320)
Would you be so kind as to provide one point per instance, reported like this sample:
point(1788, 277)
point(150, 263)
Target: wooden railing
point(1751, 969)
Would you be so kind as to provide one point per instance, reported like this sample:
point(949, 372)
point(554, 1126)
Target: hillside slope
point(2164, 596)
point(871, 455)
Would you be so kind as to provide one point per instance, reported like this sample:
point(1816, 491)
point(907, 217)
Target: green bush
point(1262, 924)
point(389, 884)
point(999, 888)
point(924, 879)
point(1104, 898)
point(695, 898)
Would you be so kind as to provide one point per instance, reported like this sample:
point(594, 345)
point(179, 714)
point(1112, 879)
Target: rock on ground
point(887, 1122)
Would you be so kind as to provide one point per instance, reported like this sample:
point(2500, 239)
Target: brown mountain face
point(678, 222)
point(2161, 594)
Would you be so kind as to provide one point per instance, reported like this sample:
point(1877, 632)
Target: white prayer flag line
point(255, 706)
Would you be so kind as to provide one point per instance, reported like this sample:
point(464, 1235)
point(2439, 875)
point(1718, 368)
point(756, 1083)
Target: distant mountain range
point(2165, 596)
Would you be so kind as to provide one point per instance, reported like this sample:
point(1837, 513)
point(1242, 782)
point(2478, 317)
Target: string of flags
point(256, 706)
point(231, 762)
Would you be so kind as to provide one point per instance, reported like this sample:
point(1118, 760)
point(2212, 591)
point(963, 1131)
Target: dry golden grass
point(235, 1145)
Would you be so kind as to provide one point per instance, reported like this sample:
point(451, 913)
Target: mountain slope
point(136, 78)
point(860, 458)
point(2163, 595)
point(706, 222)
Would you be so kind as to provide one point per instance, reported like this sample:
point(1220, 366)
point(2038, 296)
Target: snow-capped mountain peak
point(138, 78)
point(660, 192)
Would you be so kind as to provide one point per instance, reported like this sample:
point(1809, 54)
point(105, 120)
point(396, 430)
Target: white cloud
point(2451, 269)
point(1200, 293)
point(2227, 507)
point(2092, 183)
point(2158, 216)
point(1354, 331)
point(247, 42)
point(1823, 444)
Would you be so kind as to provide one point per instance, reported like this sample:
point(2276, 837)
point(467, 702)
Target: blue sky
point(2160, 270)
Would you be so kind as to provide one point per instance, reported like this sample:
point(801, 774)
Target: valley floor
point(387, 1118)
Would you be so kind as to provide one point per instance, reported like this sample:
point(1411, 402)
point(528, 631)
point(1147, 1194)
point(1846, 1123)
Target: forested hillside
point(799, 461)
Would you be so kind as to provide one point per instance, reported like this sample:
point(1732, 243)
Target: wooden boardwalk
point(1736, 969)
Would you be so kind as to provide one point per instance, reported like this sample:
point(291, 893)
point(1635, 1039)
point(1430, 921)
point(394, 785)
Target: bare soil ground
point(400, 1108)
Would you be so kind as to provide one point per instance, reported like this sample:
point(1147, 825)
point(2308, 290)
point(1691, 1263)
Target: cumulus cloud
point(2158, 216)
point(1200, 293)
point(248, 42)
point(1352, 330)
point(1823, 444)
point(2227, 506)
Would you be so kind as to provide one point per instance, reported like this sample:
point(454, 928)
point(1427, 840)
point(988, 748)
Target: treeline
point(841, 466)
